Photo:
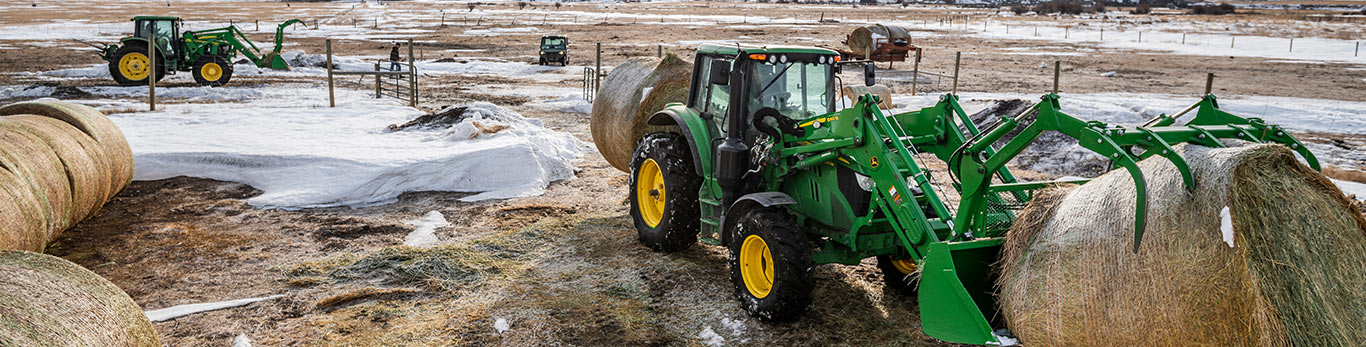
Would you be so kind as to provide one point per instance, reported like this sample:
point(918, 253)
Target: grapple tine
point(1141, 197)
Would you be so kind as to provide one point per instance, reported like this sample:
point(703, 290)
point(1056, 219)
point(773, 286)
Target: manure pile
point(1264, 251)
point(59, 163)
point(630, 94)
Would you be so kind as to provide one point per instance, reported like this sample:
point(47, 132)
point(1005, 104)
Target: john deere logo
point(873, 162)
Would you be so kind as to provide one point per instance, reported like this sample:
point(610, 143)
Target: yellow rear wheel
point(756, 266)
point(899, 274)
point(650, 192)
point(134, 66)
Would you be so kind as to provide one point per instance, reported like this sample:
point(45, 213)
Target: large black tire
point(131, 59)
point(663, 192)
point(542, 62)
point(770, 265)
point(212, 70)
point(899, 275)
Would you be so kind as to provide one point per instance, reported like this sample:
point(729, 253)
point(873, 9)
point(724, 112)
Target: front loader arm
point(280, 33)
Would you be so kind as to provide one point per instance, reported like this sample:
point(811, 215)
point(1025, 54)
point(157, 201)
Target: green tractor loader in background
point(208, 54)
point(760, 161)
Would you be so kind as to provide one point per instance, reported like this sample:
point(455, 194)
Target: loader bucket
point(274, 61)
point(957, 300)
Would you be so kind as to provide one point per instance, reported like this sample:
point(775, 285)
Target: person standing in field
point(394, 59)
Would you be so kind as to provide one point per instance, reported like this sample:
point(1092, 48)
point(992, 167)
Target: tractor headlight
point(772, 59)
point(864, 182)
point(783, 59)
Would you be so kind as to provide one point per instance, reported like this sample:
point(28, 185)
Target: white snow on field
point(174, 312)
point(501, 325)
point(303, 154)
point(1352, 188)
point(709, 337)
point(241, 341)
point(425, 233)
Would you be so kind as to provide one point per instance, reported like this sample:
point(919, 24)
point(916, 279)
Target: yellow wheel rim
point(211, 72)
point(906, 266)
point(134, 66)
point(650, 192)
point(756, 266)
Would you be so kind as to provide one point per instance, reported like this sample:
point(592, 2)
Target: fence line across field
point(401, 84)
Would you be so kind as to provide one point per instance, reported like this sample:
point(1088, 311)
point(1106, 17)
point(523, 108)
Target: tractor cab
point(554, 49)
point(165, 31)
point(738, 81)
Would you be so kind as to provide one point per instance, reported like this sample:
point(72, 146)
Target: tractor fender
point(693, 127)
point(747, 202)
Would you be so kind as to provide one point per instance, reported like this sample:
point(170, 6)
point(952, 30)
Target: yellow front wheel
point(900, 274)
point(663, 195)
point(770, 264)
point(212, 71)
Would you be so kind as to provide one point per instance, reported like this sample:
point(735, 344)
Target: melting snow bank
point(1352, 189)
point(303, 155)
point(174, 312)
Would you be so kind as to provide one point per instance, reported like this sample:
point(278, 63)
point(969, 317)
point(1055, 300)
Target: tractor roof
point(734, 49)
point(155, 18)
point(552, 37)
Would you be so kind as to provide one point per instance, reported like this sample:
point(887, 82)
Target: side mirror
point(869, 74)
point(720, 72)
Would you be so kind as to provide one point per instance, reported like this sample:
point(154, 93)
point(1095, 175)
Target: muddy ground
point(563, 268)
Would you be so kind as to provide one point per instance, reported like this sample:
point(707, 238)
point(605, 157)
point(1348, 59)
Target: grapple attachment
point(1123, 146)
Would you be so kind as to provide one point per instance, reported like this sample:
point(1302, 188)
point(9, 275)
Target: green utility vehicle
point(555, 49)
point(760, 161)
point(208, 54)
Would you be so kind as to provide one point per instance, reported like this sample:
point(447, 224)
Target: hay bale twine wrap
point(83, 164)
point(90, 121)
point(630, 94)
point(23, 225)
point(29, 157)
point(1264, 251)
point(48, 301)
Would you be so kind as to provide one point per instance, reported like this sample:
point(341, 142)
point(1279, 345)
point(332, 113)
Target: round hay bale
point(630, 94)
point(93, 123)
point(865, 37)
point(48, 301)
point(1264, 251)
point(81, 165)
point(31, 159)
point(23, 225)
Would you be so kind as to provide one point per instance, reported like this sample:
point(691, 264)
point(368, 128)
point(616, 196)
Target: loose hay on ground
point(1292, 276)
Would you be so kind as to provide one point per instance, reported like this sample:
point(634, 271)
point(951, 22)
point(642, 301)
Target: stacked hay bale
point(59, 163)
point(1264, 251)
point(47, 301)
point(864, 40)
point(630, 94)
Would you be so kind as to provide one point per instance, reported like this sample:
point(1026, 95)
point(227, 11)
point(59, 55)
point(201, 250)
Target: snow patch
point(174, 312)
point(711, 338)
point(241, 341)
point(425, 234)
point(501, 325)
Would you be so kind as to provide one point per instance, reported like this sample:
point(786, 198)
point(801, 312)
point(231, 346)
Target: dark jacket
point(393, 54)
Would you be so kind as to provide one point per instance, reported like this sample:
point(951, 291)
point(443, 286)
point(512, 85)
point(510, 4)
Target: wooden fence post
point(957, 59)
point(331, 97)
point(152, 75)
point(915, 74)
point(412, 76)
point(1209, 83)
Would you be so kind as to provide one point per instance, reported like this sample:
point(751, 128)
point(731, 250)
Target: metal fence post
point(597, 70)
point(331, 97)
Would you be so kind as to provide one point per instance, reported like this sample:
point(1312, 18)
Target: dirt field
point(563, 268)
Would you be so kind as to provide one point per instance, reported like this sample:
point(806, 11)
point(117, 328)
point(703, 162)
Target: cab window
point(711, 98)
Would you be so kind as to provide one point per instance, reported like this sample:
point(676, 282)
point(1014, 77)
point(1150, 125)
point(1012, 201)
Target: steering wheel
point(785, 125)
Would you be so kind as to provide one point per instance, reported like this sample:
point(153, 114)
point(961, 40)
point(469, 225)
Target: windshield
point(552, 42)
point(798, 90)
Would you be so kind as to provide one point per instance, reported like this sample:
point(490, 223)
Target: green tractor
point(208, 54)
point(554, 49)
point(759, 160)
